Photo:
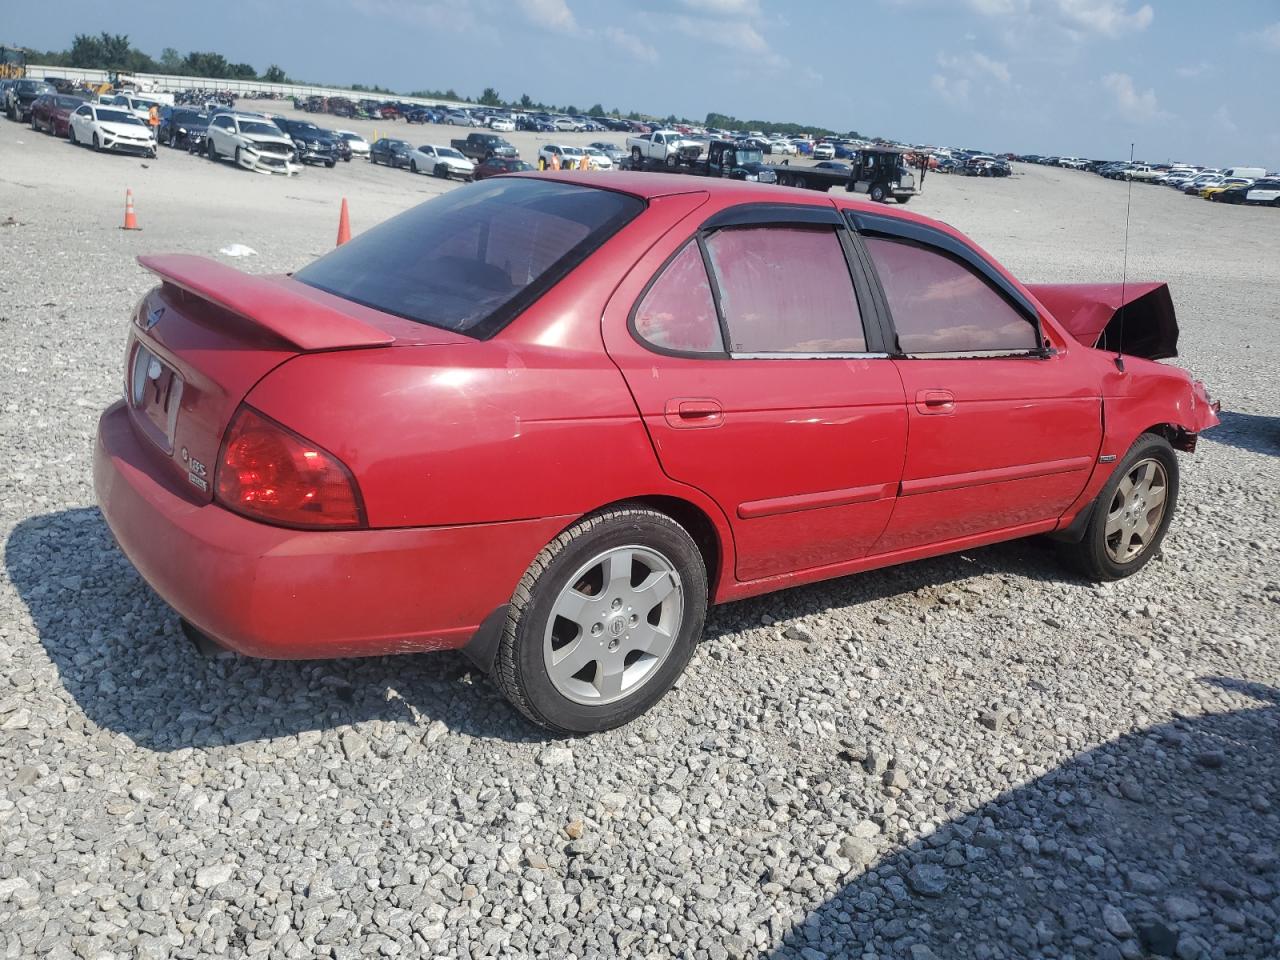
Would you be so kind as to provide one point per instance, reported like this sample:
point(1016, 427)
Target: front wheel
point(413, 166)
point(877, 193)
point(1132, 513)
point(903, 200)
point(97, 144)
point(441, 171)
point(604, 621)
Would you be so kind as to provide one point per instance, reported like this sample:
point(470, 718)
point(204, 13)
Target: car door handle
point(935, 402)
point(693, 413)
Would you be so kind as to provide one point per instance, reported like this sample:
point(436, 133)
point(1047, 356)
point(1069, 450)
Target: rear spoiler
point(1092, 314)
point(267, 303)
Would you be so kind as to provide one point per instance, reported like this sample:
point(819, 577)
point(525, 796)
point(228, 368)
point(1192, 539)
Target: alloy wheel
point(1136, 510)
point(613, 625)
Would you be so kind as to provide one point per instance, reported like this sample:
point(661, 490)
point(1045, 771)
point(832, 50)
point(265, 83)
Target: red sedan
point(52, 113)
point(549, 419)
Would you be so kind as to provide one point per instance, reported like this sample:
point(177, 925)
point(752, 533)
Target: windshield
point(750, 156)
point(448, 152)
point(118, 116)
point(474, 258)
point(353, 137)
point(571, 151)
point(34, 86)
point(260, 128)
point(309, 129)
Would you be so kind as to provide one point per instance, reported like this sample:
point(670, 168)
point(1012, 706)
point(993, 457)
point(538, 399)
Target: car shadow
point(1160, 843)
point(1247, 431)
point(122, 655)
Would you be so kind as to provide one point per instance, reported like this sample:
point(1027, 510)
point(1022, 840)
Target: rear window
point(471, 260)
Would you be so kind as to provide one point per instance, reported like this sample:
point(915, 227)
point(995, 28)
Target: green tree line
point(114, 52)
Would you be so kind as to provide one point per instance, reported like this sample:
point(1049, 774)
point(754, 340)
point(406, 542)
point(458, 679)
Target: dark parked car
point(183, 128)
point(394, 153)
point(496, 166)
point(481, 146)
point(22, 95)
point(52, 113)
point(313, 144)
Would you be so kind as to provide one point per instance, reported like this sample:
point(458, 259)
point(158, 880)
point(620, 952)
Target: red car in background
point(549, 419)
point(52, 113)
point(496, 166)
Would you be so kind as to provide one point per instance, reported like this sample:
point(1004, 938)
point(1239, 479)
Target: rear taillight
point(269, 473)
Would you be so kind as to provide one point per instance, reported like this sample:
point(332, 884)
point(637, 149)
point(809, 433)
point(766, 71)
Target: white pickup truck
point(1141, 172)
point(665, 146)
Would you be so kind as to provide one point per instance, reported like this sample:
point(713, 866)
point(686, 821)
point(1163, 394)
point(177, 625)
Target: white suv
point(255, 143)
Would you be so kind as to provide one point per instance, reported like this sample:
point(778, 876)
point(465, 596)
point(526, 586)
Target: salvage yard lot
point(979, 755)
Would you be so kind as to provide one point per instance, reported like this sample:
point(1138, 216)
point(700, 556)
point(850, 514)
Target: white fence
point(170, 83)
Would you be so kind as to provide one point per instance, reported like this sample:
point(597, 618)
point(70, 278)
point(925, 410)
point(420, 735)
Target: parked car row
point(1241, 185)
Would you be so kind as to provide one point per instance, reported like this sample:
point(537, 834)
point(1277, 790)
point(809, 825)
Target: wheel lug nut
point(597, 629)
point(634, 620)
point(613, 645)
point(617, 603)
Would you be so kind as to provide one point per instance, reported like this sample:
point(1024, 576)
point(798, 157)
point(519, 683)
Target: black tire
point(441, 171)
point(97, 144)
point(238, 156)
point(876, 193)
point(673, 160)
point(519, 669)
point(1090, 555)
point(210, 150)
point(637, 159)
point(413, 166)
point(330, 164)
point(903, 200)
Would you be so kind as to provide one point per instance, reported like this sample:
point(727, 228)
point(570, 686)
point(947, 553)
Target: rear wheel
point(1132, 513)
point(604, 621)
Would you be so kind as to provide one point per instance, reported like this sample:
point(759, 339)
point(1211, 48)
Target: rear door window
point(786, 290)
point(940, 306)
point(471, 260)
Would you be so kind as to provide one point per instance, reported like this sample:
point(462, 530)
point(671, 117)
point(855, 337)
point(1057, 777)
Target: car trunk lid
point(208, 333)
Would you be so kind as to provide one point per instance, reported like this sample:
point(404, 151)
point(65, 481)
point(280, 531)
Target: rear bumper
point(265, 591)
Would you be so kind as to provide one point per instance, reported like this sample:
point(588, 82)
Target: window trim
point(943, 244)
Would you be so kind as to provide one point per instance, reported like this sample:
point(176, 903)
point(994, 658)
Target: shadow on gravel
point(1248, 431)
point(122, 656)
point(1161, 843)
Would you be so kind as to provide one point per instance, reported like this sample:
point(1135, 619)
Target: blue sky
point(1180, 78)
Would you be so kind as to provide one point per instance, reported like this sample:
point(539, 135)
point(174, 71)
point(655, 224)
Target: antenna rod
point(1124, 269)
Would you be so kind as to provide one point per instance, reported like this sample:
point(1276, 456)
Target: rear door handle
point(692, 413)
point(935, 402)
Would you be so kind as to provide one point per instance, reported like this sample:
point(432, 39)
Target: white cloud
point(630, 44)
point(723, 8)
point(1193, 70)
point(954, 90)
point(1110, 18)
point(553, 15)
point(1270, 36)
point(960, 72)
point(1132, 104)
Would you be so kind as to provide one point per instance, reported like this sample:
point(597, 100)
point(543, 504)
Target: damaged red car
point(548, 420)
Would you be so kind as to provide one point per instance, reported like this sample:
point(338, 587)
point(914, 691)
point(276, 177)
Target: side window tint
point(939, 305)
point(786, 290)
point(678, 313)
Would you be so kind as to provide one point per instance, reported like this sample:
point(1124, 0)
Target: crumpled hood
point(1091, 312)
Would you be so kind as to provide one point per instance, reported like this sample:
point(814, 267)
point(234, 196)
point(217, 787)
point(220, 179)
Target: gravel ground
point(974, 756)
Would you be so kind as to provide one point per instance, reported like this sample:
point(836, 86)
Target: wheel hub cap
point(613, 625)
point(1136, 511)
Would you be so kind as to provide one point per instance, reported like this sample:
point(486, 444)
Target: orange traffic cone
point(344, 224)
point(130, 218)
